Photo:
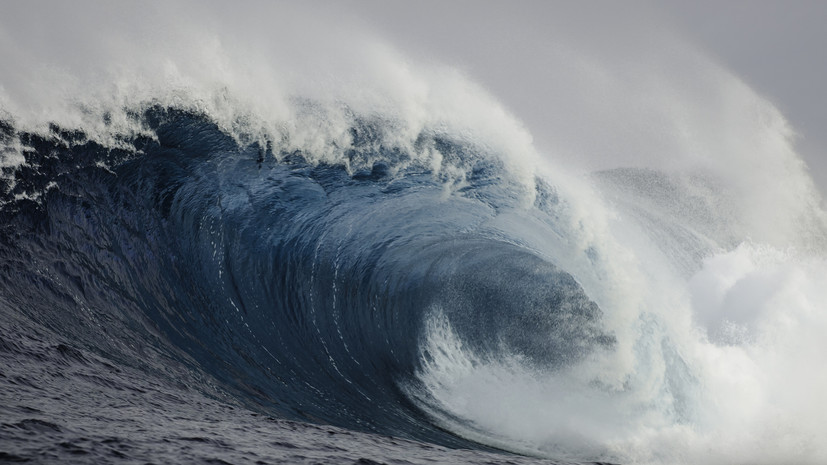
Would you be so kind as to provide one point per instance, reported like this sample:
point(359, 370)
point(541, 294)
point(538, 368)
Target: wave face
point(303, 289)
point(210, 244)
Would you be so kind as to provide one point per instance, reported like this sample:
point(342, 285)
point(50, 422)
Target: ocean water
point(216, 249)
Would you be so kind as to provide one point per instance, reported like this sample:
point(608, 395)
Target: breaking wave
point(408, 263)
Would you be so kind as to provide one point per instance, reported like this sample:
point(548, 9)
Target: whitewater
point(277, 237)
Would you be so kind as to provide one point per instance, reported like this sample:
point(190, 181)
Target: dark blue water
point(188, 297)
